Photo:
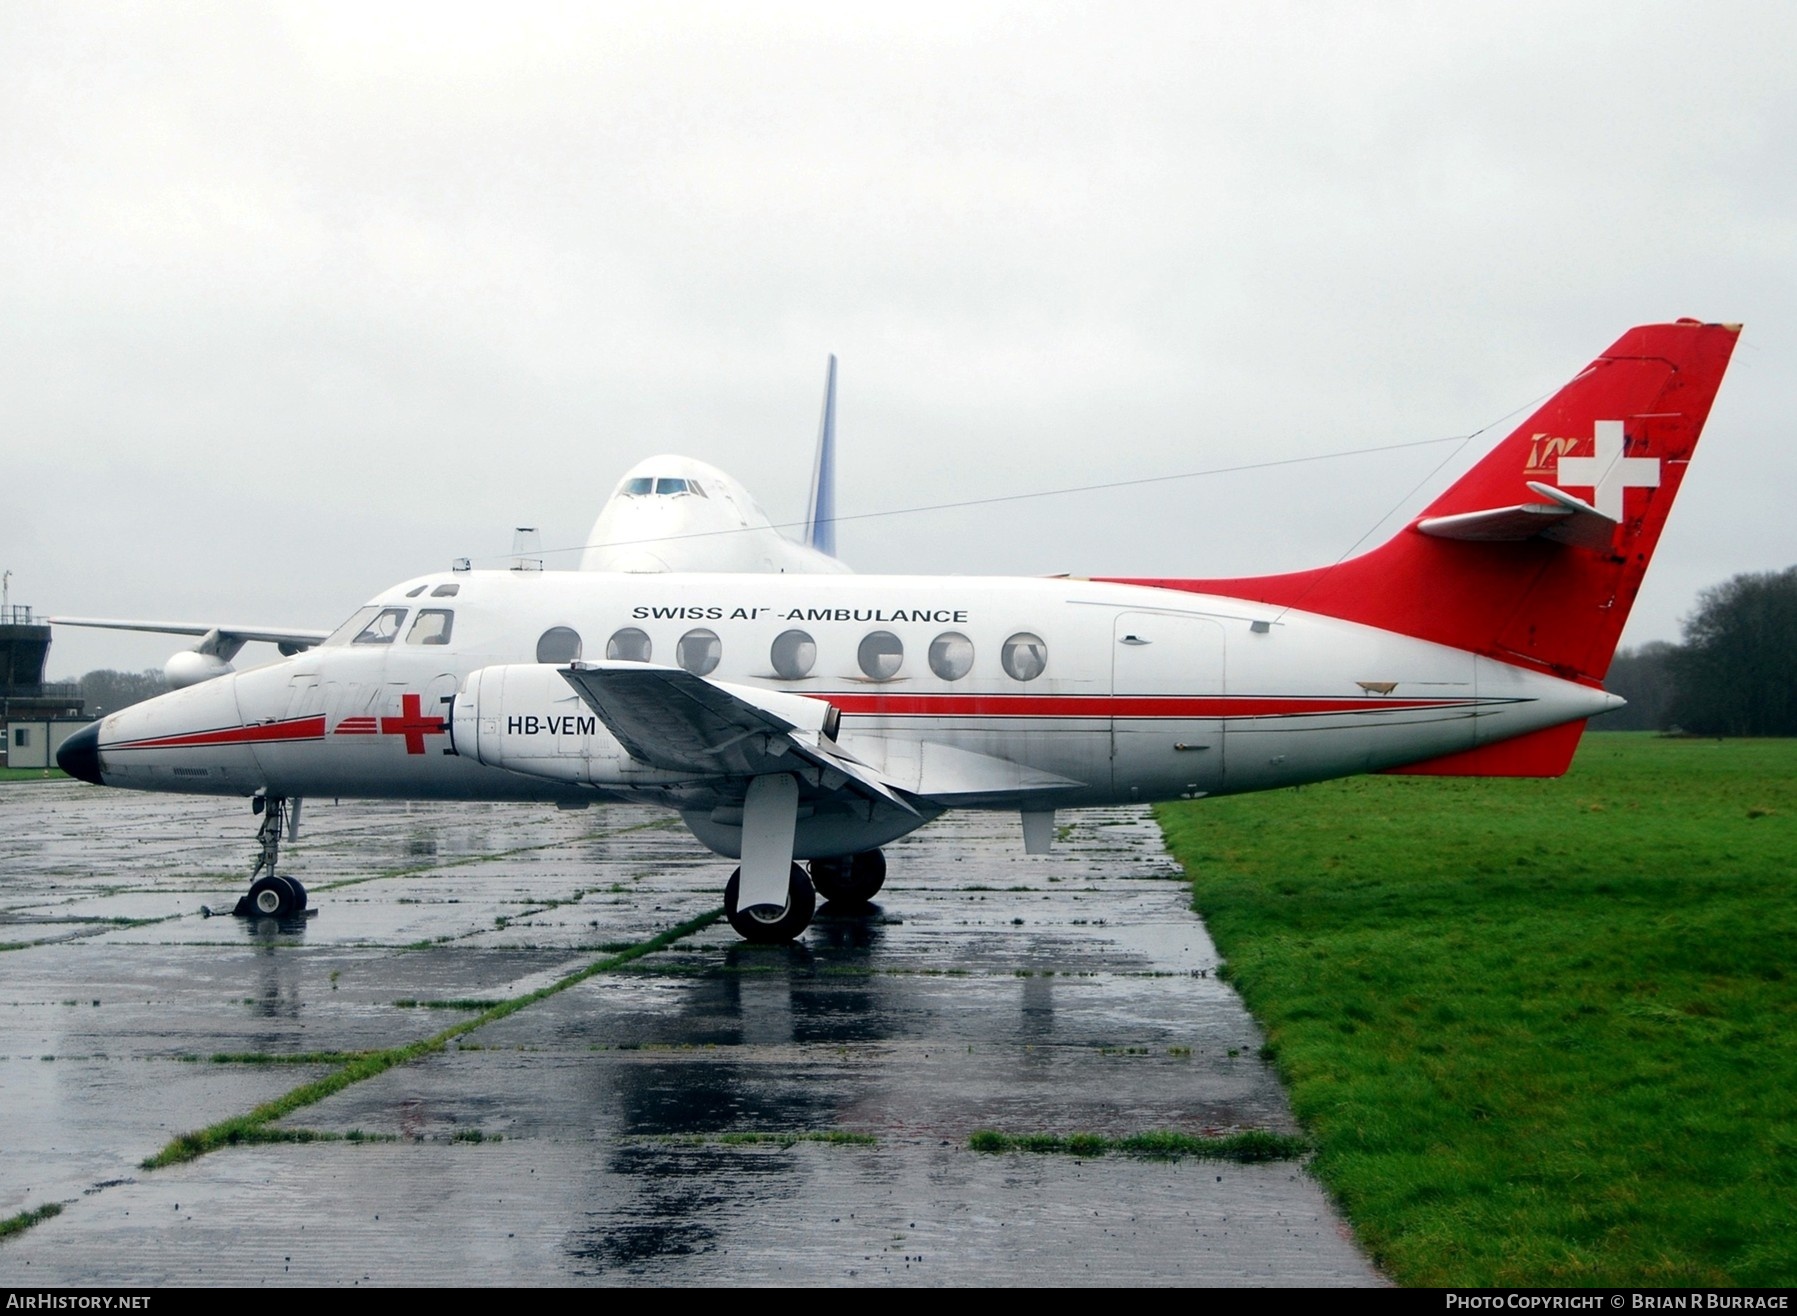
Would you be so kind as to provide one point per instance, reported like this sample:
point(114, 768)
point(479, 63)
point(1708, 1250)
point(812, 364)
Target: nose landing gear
point(273, 895)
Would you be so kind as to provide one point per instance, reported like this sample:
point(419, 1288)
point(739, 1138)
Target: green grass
point(32, 774)
point(1541, 1032)
point(18, 1224)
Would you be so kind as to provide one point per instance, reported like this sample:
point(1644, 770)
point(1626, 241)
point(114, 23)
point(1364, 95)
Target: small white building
point(33, 742)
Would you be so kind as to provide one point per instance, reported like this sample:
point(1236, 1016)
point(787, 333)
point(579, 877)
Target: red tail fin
point(1539, 576)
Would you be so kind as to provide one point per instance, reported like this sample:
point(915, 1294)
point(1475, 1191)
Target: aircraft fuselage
point(1122, 693)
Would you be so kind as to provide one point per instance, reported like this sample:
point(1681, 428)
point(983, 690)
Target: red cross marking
point(412, 724)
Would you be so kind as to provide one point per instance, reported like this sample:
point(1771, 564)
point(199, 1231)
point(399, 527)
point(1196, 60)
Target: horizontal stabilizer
point(1562, 518)
point(1597, 466)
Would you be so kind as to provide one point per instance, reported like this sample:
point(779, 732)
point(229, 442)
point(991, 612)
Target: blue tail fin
point(820, 513)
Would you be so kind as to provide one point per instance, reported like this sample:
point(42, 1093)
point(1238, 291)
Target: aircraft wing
point(670, 718)
point(222, 640)
point(1562, 518)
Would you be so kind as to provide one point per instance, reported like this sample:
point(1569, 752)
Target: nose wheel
point(764, 923)
point(275, 896)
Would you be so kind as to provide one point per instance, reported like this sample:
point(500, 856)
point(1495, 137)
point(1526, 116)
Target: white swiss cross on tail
point(1608, 472)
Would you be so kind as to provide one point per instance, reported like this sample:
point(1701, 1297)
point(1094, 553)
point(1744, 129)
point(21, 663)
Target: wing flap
point(670, 718)
point(949, 775)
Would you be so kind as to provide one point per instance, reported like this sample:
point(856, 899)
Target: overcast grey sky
point(301, 300)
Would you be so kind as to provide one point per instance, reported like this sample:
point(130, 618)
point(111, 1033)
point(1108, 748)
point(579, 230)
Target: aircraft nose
point(80, 754)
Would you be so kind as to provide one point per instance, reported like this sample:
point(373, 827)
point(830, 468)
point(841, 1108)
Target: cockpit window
point(349, 628)
point(446, 591)
point(384, 629)
point(638, 485)
point(432, 626)
point(414, 593)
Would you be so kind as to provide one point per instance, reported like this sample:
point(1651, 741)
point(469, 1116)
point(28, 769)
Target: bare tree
point(1736, 673)
point(106, 691)
point(1642, 676)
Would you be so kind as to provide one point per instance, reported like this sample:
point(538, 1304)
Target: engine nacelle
point(525, 717)
point(190, 668)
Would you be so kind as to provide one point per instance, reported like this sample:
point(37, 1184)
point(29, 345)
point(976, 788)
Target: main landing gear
point(851, 880)
point(845, 882)
point(766, 923)
point(271, 894)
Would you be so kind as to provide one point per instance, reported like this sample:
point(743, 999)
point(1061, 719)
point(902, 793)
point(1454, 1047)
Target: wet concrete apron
point(637, 1127)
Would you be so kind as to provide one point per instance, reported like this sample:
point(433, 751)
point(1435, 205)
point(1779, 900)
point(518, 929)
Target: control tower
point(35, 716)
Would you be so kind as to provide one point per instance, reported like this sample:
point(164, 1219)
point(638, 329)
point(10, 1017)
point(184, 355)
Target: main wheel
point(850, 881)
point(273, 897)
point(759, 924)
point(299, 893)
point(830, 876)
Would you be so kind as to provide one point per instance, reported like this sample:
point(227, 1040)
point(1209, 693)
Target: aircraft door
point(303, 698)
point(1165, 742)
point(298, 713)
point(439, 701)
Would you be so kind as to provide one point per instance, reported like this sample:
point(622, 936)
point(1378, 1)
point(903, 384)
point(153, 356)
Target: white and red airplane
point(795, 716)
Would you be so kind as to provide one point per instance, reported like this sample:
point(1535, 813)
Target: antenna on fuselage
point(527, 549)
point(820, 512)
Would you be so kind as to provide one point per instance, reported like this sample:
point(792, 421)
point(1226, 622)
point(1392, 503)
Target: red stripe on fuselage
point(1126, 706)
point(299, 728)
point(1102, 707)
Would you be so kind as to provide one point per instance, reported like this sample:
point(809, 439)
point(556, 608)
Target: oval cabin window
point(558, 644)
point(1024, 656)
point(699, 651)
point(628, 646)
point(793, 655)
point(881, 655)
point(951, 655)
